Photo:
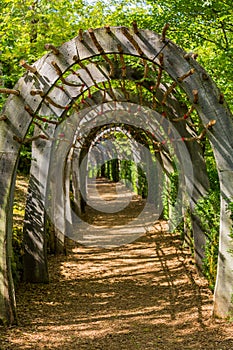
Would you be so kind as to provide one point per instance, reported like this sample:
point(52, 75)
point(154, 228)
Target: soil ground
point(143, 295)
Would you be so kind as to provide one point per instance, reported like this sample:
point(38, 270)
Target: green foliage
point(166, 198)
point(26, 26)
point(230, 208)
point(141, 182)
point(126, 171)
point(208, 210)
point(26, 155)
point(202, 26)
point(211, 167)
point(25, 159)
point(170, 199)
point(173, 190)
point(17, 231)
point(17, 255)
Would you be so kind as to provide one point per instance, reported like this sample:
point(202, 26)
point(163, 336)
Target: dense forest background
point(204, 27)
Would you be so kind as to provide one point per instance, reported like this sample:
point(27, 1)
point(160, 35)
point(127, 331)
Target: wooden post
point(223, 294)
point(8, 314)
point(9, 153)
point(35, 243)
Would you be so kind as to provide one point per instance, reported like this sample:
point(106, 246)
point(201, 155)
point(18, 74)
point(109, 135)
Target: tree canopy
point(202, 26)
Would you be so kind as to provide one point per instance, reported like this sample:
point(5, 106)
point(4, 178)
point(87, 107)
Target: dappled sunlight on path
point(143, 295)
point(146, 295)
point(114, 216)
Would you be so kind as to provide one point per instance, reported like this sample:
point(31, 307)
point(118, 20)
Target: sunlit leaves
point(201, 26)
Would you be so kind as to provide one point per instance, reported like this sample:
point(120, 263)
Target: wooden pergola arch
point(48, 90)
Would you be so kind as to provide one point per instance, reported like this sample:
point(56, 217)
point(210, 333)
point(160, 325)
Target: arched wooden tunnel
point(111, 77)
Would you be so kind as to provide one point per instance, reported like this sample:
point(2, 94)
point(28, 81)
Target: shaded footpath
point(142, 295)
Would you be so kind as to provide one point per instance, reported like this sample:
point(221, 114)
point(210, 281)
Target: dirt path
point(144, 295)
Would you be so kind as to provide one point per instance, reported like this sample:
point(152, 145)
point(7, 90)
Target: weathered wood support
point(9, 152)
point(35, 243)
point(8, 313)
point(76, 185)
point(157, 185)
point(223, 294)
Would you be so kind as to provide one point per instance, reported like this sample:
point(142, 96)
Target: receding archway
point(38, 93)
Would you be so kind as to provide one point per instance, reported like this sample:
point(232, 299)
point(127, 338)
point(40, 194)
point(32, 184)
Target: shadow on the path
point(143, 295)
